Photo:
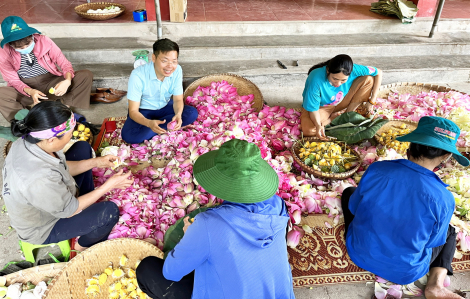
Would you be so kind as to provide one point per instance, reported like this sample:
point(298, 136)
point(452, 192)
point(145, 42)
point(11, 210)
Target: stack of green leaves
point(405, 10)
point(351, 127)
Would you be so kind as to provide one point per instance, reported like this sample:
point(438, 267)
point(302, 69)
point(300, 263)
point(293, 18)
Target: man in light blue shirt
point(155, 93)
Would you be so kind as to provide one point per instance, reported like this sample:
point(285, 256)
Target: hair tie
point(21, 124)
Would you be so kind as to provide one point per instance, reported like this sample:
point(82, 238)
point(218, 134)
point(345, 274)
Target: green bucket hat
point(15, 28)
point(236, 173)
point(437, 132)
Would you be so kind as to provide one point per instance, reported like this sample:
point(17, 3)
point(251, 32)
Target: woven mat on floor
point(321, 257)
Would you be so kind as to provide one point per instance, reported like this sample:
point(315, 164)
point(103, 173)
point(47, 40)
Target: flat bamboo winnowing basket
point(35, 274)
point(82, 9)
point(413, 88)
point(243, 85)
point(70, 283)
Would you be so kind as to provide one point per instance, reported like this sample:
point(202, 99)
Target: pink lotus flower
point(278, 145)
point(297, 216)
point(294, 236)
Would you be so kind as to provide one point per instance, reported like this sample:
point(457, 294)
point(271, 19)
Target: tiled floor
point(62, 11)
point(298, 10)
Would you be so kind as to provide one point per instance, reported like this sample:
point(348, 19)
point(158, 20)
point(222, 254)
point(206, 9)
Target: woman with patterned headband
point(50, 196)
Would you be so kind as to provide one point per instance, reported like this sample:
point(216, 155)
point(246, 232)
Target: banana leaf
point(348, 117)
point(362, 128)
point(5, 132)
point(175, 232)
point(403, 9)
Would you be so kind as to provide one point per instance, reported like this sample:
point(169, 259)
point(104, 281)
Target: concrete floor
point(9, 249)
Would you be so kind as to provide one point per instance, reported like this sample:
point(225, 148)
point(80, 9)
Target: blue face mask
point(27, 50)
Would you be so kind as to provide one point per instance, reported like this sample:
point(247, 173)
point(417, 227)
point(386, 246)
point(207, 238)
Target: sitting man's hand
point(154, 125)
point(179, 122)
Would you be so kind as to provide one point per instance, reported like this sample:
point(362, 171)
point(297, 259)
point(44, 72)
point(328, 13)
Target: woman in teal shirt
point(333, 86)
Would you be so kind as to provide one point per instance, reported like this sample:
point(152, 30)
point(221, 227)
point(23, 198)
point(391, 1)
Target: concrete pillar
point(427, 8)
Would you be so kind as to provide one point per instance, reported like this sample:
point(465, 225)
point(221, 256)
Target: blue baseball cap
point(15, 28)
point(437, 132)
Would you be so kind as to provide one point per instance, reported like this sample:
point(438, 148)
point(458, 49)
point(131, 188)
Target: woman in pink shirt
point(36, 69)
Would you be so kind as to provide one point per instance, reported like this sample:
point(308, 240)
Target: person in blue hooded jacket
point(236, 250)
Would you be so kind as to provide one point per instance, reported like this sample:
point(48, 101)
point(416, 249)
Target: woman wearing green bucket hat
point(29, 64)
point(397, 219)
point(237, 250)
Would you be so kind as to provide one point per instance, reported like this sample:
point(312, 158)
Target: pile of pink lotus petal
point(386, 289)
point(161, 196)
point(413, 107)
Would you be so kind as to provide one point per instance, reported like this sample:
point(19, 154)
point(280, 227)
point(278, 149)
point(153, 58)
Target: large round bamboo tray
point(335, 176)
point(411, 88)
point(70, 282)
point(395, 123)
point(81, 10)
point(35, 274)
point(414, 89)
point(243, 85)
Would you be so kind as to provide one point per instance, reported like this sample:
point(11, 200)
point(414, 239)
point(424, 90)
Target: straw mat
point(321, 257)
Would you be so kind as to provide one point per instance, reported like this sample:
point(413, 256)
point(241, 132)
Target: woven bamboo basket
point(335, 176)
point(394, 123)
point(6, 148)
point(414, 89)
point(35, 274)
point(411, 88)
point(71, 281)
point(81, 10)
point(243, 85)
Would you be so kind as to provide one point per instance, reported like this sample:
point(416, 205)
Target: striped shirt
point(30, 67)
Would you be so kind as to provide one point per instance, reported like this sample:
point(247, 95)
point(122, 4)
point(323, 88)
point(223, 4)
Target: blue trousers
point(133, 132)
point(93, 224)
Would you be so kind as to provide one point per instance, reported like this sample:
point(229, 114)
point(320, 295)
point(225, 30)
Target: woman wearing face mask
point(29, 64)
point(397, 219)
point(332, 87)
